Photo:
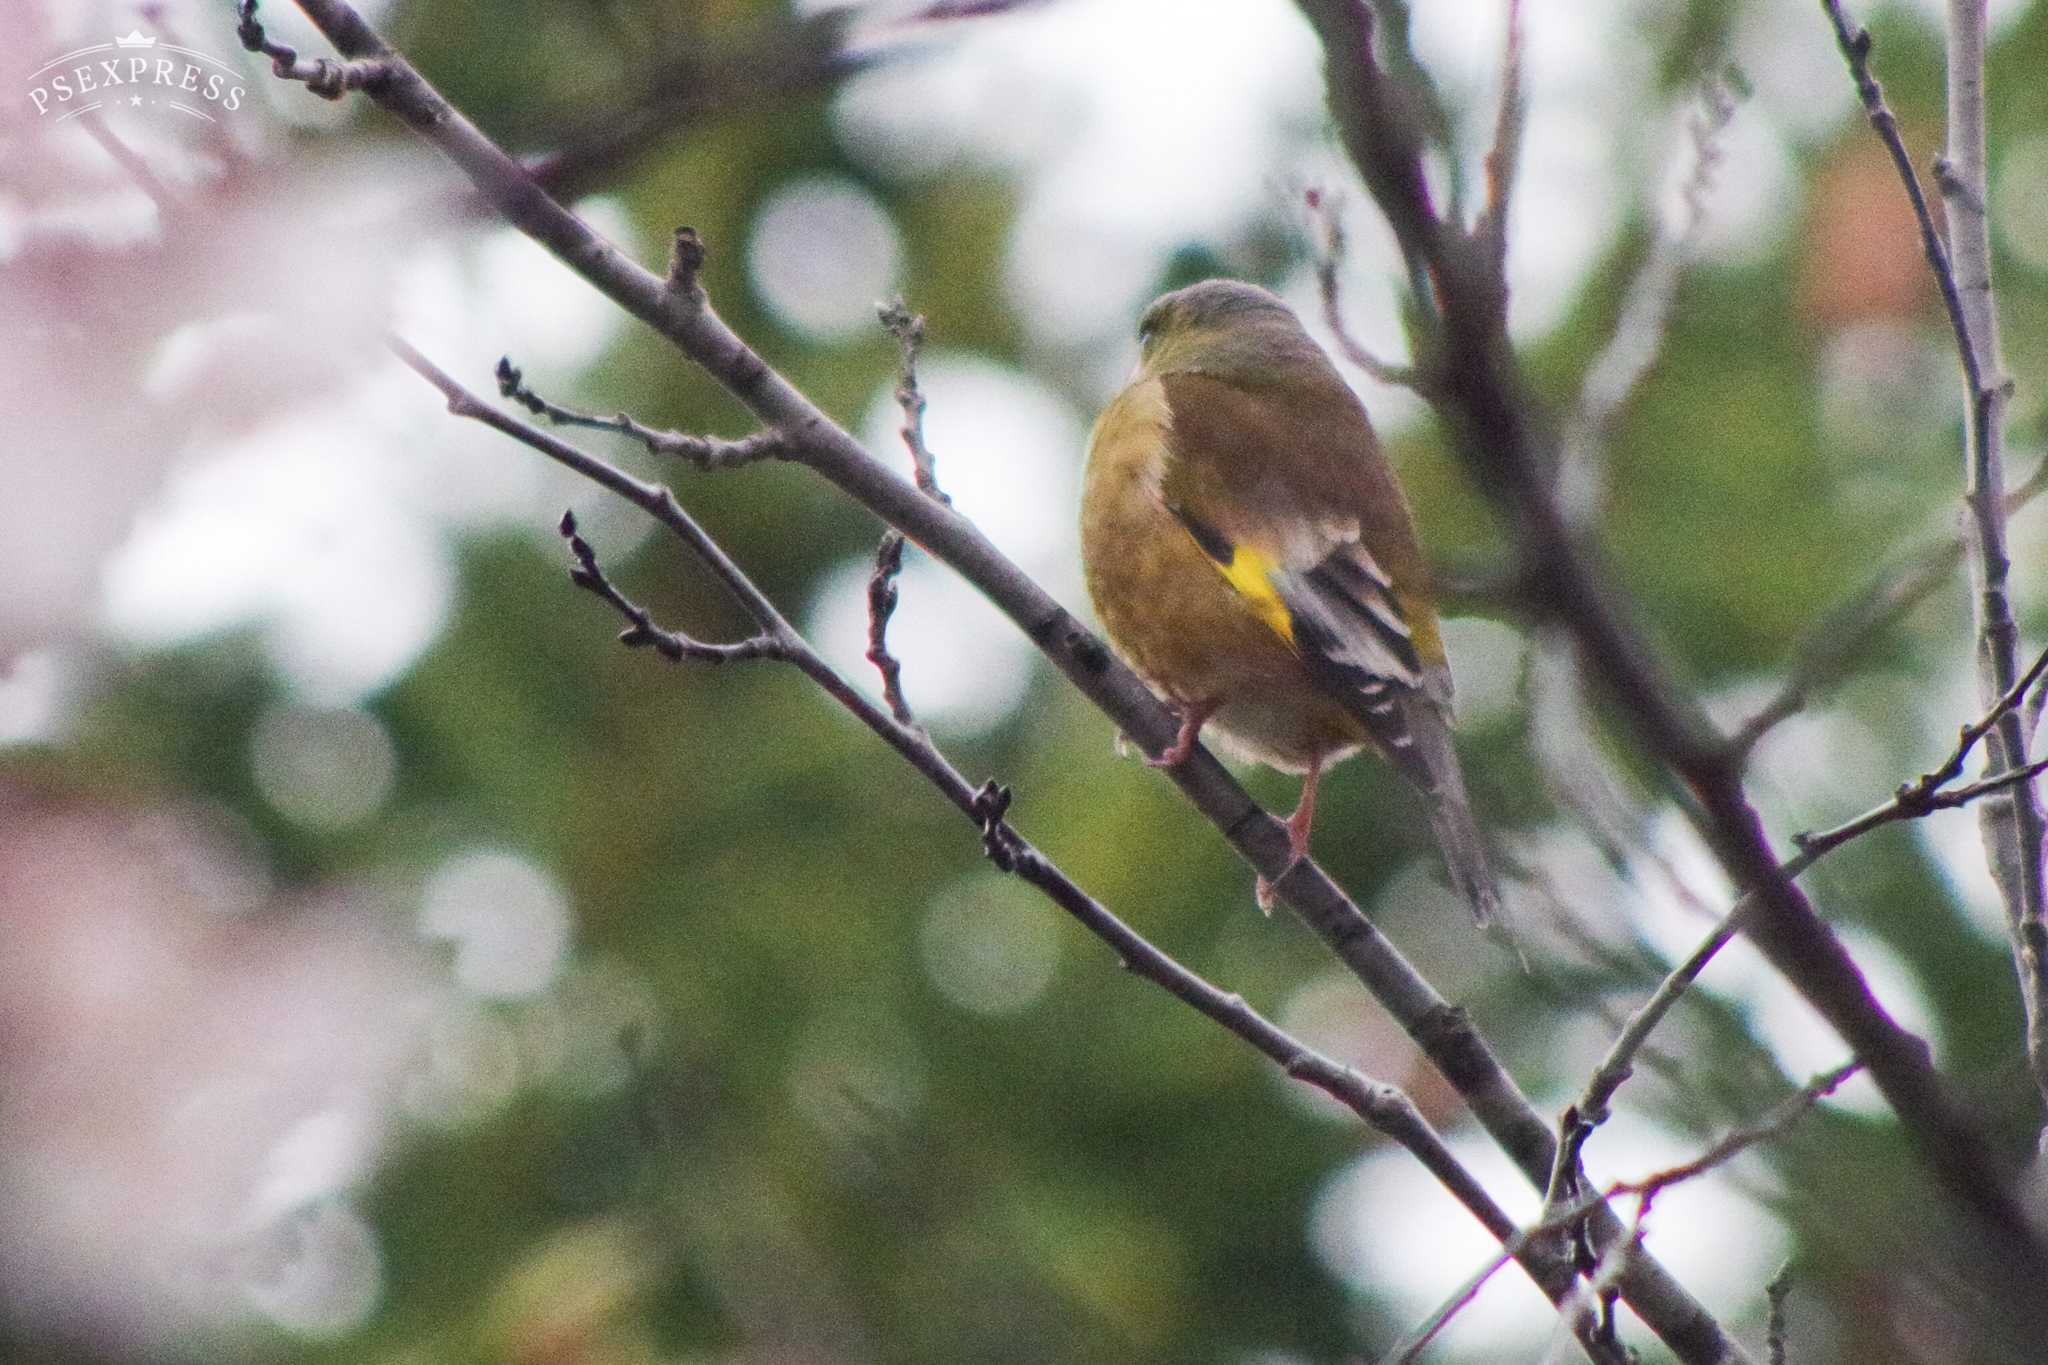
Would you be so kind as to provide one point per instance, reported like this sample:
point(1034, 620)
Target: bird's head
point(1225, 328)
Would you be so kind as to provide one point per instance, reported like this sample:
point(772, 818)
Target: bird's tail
point(1450, 816)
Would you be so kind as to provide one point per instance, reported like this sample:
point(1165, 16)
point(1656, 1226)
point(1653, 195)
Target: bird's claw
point(1193, 715)
point(1267, 892)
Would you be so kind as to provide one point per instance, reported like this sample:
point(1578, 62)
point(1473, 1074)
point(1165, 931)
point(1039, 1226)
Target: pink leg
point(1193, 715)
point(1305, 813)
point(1298, 825)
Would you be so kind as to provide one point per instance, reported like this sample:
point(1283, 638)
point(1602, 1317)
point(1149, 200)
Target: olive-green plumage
point(1251, 555)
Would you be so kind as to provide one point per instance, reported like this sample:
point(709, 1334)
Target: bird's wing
point(1278, 490)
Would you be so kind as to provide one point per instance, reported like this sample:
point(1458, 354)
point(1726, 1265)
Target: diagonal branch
point(1855, 42)
point(1506, 439)
point(1559, 1220)
point(706, 452)
point(2015, 831)
point(676, 308)
point(1385, 1107)
point(641, 632)
point(1912, 801)
point(1835, 644)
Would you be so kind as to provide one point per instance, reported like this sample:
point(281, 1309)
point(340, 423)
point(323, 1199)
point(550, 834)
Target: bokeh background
point(395, 970)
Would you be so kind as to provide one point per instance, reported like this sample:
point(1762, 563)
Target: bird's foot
point(1193, 715)
point(1298, 826)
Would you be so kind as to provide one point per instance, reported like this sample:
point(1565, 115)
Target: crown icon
point(134, 39)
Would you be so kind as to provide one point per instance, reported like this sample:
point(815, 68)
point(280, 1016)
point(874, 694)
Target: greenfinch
point(1252, 557)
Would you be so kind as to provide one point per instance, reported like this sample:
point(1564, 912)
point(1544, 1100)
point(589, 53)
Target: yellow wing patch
point(1250, 573)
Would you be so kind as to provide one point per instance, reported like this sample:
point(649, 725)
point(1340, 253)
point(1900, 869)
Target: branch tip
point(1327, 236)
point(323, 76)
point(908, 329)
point(706, 452)
point(883, 595)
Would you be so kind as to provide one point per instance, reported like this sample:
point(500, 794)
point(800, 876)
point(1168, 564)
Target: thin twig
point(882, 597)
point(706, 452)
point(784, 60)
point(1386, 1107)
point(1844, 634)
point(1828, 652)
point(1639, 332)
point(324, 76)
point(1855, 42)
point(1912, 801)
point(678, 310)
point(1776, 1292)
point(641, 632)
point(908, 329)
point(1504, 157)
point(1931, 792)
point(1326, 232)
point(2014, 832)
point(1775, 1124)
point(135, 167)
point(1498, 426)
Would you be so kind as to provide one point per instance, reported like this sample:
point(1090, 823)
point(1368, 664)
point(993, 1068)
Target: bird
point(1251, 556)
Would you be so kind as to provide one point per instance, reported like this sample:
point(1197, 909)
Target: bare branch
point(693, 86)
point(641, 632)
point(1777, 1291)
point(1326, 231)
point(1913, 800)
point(1774, 1124)
point(325, 77)
point(1839, 640)
point(1497, 425)
point(908, 329)
point(1931, 792)
point(1385, 1107)
point(785, 60)
point(2015, 832)
point(882, 597)
point(1382, 129)
point(681, 314)
point(1631, 353)
point(1855, 42)
point(946, 11)
point(1779, 1121)
point(1504, 156)
point(706, 452)
point(135, 167)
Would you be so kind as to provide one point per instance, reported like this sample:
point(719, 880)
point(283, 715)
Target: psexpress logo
point(135, 72)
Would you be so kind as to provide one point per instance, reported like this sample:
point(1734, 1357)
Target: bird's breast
point(1171, 611)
